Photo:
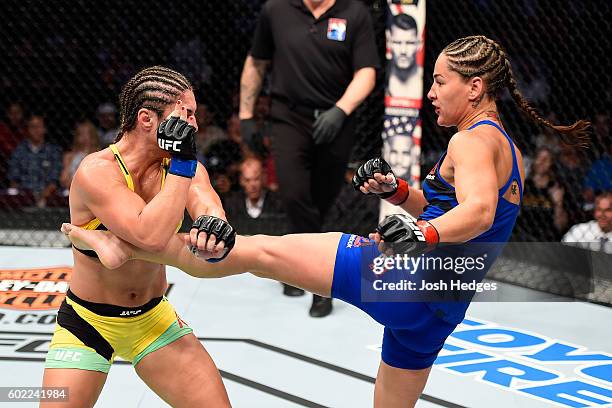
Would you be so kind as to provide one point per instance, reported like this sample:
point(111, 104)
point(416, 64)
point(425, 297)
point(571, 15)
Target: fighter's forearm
point(415, 203)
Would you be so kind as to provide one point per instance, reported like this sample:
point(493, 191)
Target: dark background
point(63, 58)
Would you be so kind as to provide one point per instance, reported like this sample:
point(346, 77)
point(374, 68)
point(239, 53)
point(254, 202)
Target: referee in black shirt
point(324, 61)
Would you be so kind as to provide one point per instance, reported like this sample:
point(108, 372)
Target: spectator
point(222, 161)
point(12, 132)
point(107, 124)
point(254, 209)
point(12, 129)
point(208, 134)
point(262, 117)
point(233, 132)
point(543, 216)
point(601, 130)
point(571, 169)
point(262, 108)
point(595, 235)
point(260, 143)
point(599, 176)
point(548, 138)
point(84, 141)
point(233, 128)
point(35, 165)
point(318, 79)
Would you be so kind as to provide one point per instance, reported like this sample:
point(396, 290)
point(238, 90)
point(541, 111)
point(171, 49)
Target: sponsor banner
point(30, 298)
point(33, 289)
point(403, 91)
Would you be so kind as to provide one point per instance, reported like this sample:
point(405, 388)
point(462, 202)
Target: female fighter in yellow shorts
point(138, 189)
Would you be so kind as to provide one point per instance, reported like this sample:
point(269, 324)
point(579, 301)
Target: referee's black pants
point(309, 176)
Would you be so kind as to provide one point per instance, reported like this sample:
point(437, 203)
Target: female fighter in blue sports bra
point(472, 195)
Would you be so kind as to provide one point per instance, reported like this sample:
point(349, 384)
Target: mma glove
point(401, 234)
point(366, 171)
point(220, 229)
point(327, 125)
point(177, 137)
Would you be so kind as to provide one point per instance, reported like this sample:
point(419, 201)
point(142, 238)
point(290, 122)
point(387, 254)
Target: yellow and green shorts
point(88, 336)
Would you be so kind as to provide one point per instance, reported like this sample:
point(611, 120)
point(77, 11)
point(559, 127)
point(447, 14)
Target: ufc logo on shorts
point(67, 355)
point(169, 144)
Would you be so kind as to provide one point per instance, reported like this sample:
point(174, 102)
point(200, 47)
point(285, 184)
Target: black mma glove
point(407, 236)
point(177, 137)
point(220, 229)
point(366, 171)
point(327, 125)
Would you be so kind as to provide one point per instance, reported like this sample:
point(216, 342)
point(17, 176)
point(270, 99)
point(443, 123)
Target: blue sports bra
point(442, 197)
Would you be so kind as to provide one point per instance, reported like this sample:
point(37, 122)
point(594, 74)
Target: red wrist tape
point(432, 237)
point(402, 193)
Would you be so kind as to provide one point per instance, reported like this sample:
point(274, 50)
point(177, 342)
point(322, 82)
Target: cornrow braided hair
point(152, 88)
point(480, 56)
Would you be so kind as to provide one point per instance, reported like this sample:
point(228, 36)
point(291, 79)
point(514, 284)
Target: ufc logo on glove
point(168, 145)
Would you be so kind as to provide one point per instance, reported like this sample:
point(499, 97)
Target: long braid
point(152, 88)
point(480, 56)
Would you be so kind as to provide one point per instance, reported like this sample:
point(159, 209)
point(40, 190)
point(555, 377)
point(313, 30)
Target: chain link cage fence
point(64, 64)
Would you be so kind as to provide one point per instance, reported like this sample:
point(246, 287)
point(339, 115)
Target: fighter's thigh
point(303, 260)
point(83, 386)
point(398, 387)
point(183, 374)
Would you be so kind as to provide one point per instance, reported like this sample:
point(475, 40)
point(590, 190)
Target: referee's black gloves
point(251, 136)
point(327, 125)
point(248, 130)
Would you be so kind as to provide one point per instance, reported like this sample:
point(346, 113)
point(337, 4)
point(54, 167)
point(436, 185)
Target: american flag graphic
point(398, 125)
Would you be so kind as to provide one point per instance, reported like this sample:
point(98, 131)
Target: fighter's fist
point(376, 177)
point(212, 235)
point(177, 136)
point(401, 234)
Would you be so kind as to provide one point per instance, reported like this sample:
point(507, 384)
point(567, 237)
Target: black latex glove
point(327, 125)
point(249, 133)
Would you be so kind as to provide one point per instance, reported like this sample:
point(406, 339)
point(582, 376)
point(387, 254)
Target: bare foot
point(112, 250)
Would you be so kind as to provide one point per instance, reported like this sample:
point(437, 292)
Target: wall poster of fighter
point(403, 91)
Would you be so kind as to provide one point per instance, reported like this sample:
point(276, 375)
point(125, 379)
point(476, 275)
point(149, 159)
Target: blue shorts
point(414, 334)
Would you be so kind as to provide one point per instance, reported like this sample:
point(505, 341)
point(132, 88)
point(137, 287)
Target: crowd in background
point(37, 172)
point(67, 68)
point(564, 187)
